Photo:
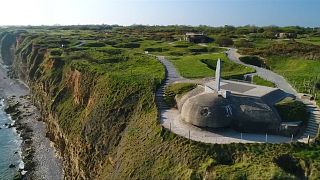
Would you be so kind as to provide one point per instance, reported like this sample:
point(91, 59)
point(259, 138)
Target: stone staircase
point(159, 97)
point(172, 76)
point(313, 123)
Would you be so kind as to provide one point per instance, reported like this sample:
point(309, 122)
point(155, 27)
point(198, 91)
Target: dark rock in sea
point(11, 108)
point(11, 125)
point(16, 152)
point(12, 166)
point(28, 141)
point(19, 127)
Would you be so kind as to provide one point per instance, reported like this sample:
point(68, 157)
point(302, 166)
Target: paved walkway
point(170, 119)
point(314, 121)
point(264, 73)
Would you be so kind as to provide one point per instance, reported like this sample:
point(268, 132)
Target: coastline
point(40, 160)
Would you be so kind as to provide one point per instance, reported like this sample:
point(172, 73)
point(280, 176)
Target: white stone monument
point(217, 86)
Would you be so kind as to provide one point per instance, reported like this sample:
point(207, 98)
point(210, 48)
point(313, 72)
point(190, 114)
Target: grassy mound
point(176, 89)
point(291, 110)
point(262, 82)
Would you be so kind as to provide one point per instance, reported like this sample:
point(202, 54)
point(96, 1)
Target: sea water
point(10, 150)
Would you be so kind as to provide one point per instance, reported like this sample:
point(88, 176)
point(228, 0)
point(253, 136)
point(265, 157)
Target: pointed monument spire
point(218, 74)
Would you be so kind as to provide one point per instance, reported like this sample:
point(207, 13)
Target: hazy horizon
point(168, 12)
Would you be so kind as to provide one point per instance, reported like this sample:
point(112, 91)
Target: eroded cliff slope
point(97, 99)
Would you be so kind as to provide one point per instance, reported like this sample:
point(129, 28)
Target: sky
point(161, 12)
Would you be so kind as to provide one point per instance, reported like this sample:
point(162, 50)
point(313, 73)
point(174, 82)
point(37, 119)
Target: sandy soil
point(47, 165)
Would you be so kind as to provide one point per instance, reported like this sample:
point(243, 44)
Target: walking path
point(170, 119)
point(264, 73)
point(313, 123)
point(314, 120)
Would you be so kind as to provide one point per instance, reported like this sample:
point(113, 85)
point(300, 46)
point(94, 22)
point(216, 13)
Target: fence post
point(266, 137)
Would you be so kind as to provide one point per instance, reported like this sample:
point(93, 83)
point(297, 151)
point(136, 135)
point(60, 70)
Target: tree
point(243, 43)
point(224, 41)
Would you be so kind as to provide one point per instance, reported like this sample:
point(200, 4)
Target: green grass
point(302, 74)
point(176, 89)
point(177, 48)
point(200, 66)
point(262, 43)
point(310, 40)
point(291, 110)
point(262, 82)
point(109, 115)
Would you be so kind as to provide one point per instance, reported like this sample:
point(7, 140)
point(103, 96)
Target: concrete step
point(313, 124)
point(315, 119)
point(311, 132)
point(312, 119)
point(314, 116)
point(316, 113)
point(313, 127)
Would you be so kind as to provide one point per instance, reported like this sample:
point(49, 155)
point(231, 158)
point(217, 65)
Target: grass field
point(177, 48)
point(260, 81)
point(303, 74)
point(101, 96)
point(176, 89)
point(200, 66)
point(310, 40)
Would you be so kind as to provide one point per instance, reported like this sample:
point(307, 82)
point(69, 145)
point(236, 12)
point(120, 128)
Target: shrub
point(56, 52)
point(95, 44)
point(197, 49)
point(155, 49)
point(253, 60)
point(317, 85)
point(290, 165)
point(243, 43)
point(128, 45)
point(224, 41)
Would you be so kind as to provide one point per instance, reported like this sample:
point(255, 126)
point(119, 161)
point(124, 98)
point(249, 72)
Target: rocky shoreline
point(20, 111)
point(38, 154)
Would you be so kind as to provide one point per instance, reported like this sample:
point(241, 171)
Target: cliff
point(98, 103)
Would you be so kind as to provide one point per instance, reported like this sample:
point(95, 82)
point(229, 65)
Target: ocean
point(10, 143)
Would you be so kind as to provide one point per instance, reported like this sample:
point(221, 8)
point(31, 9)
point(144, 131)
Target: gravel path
point(170, 119)
point(264, 73)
